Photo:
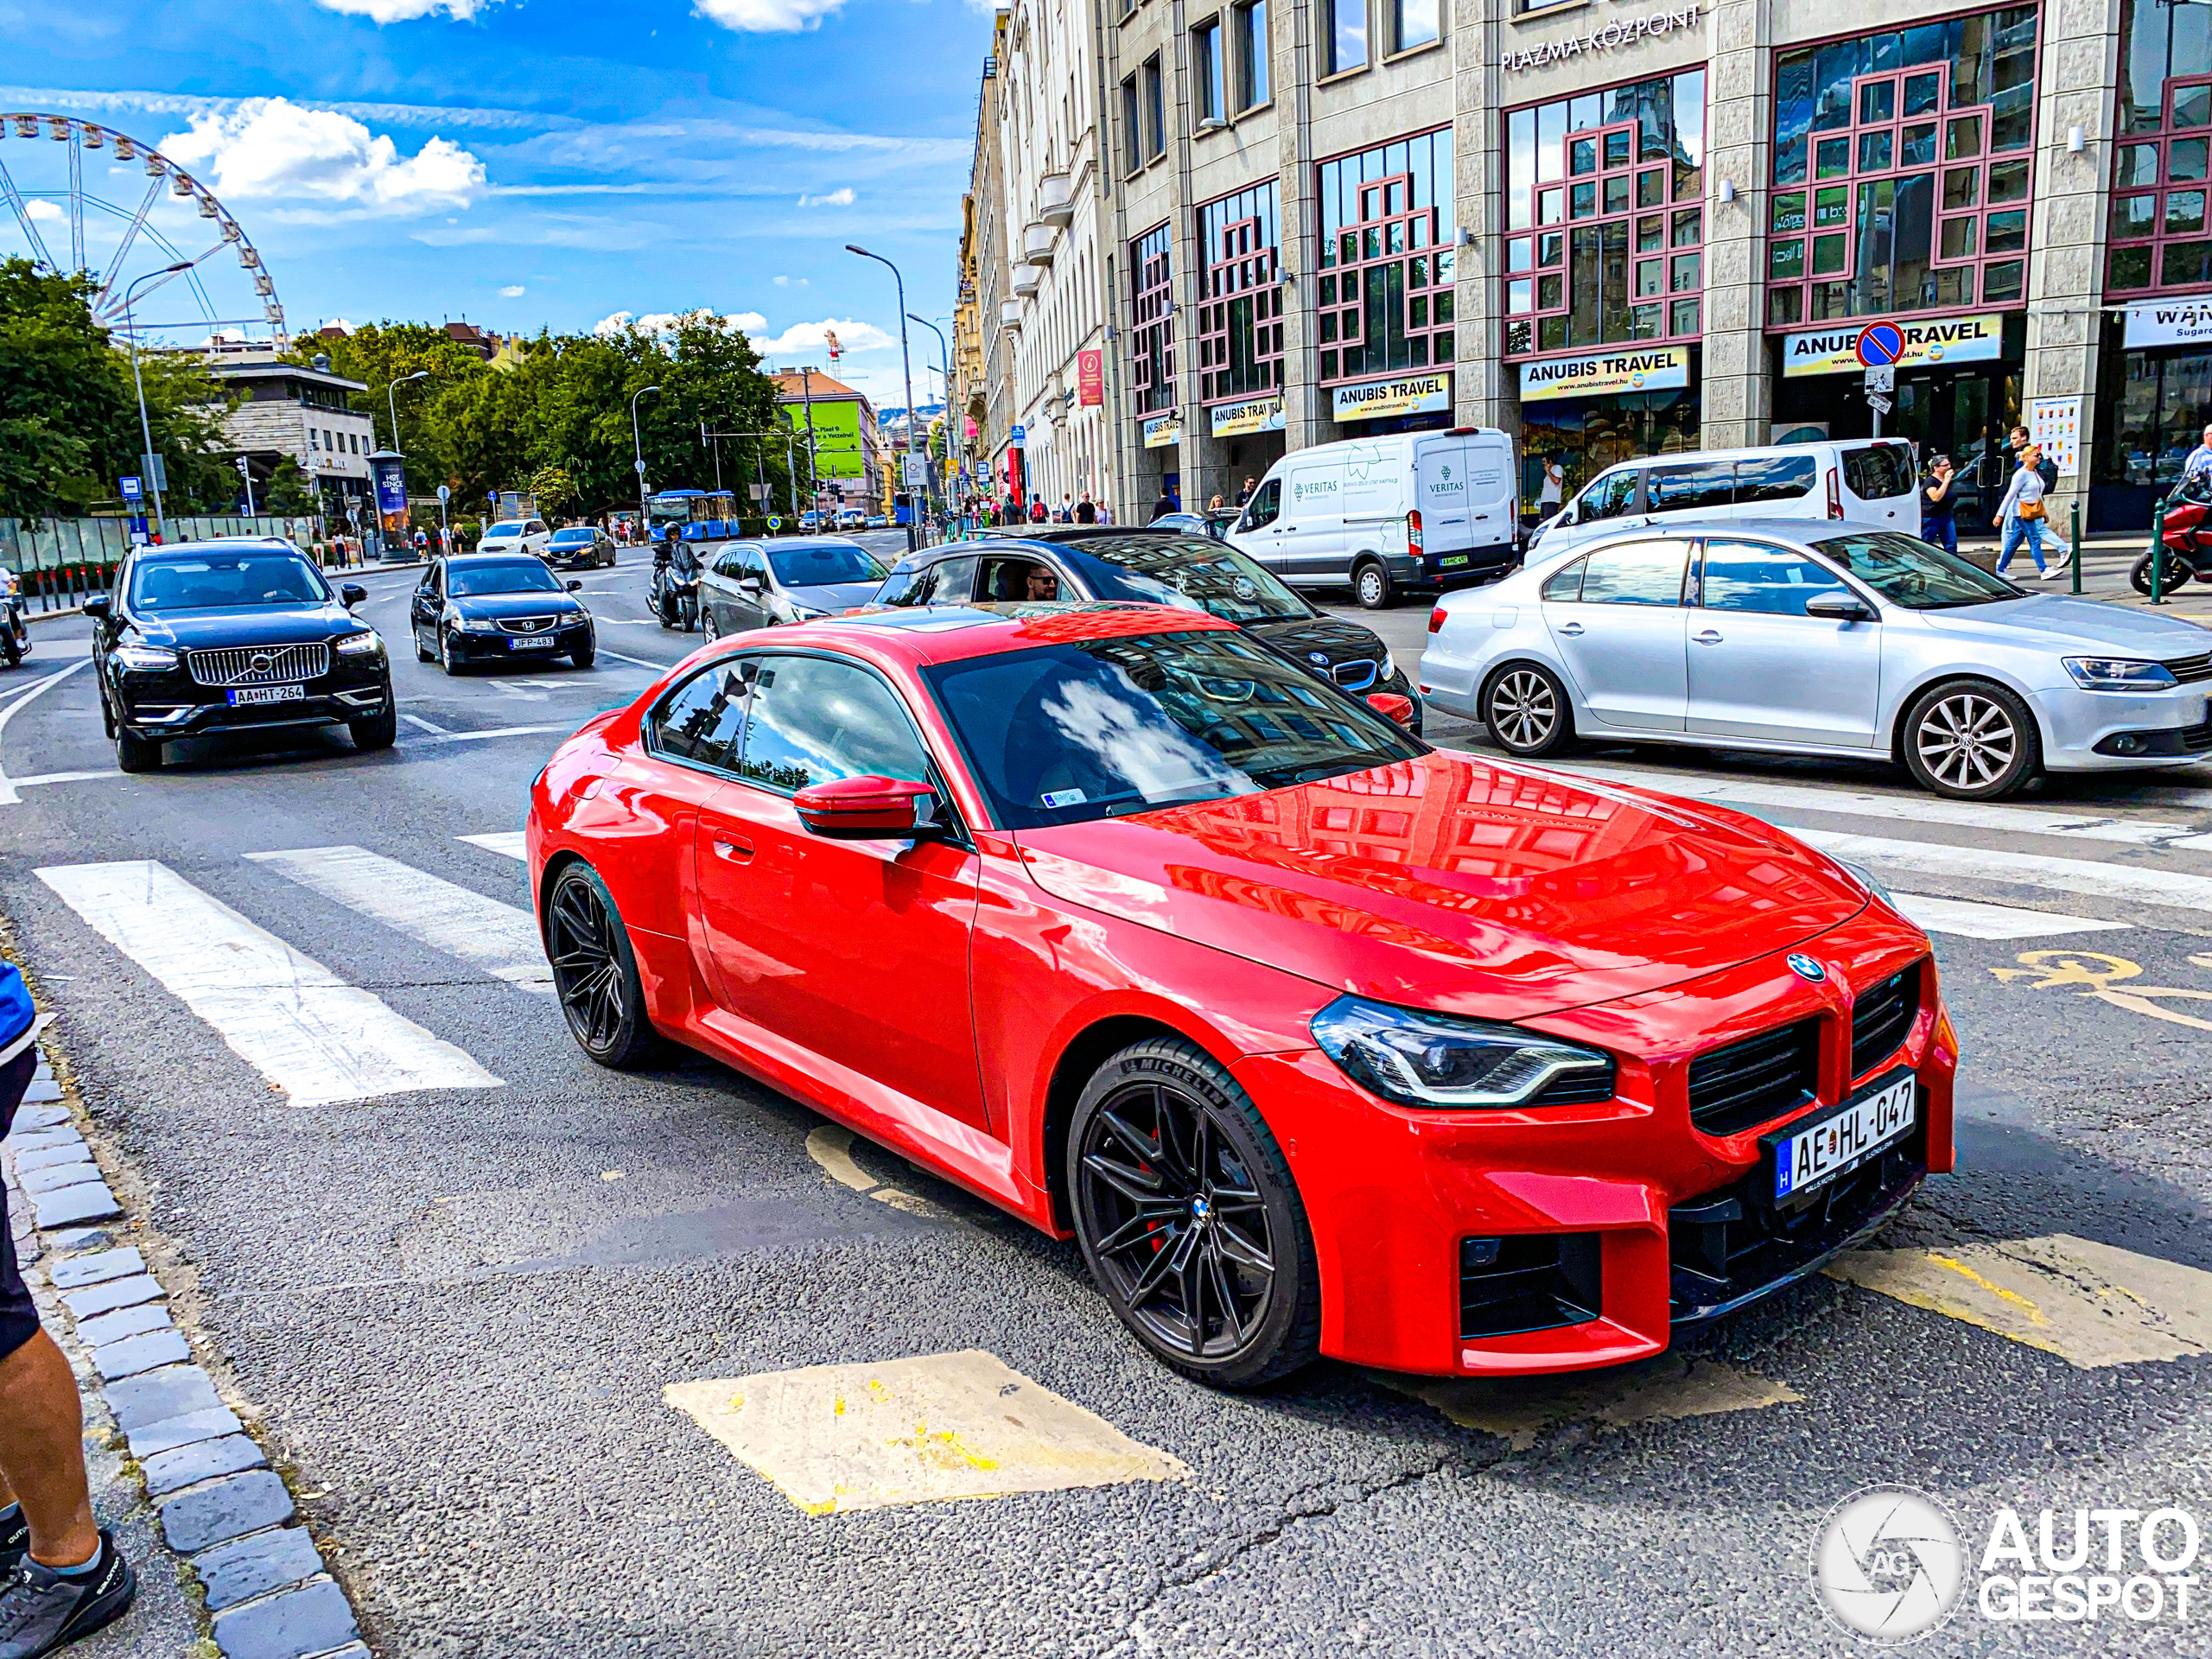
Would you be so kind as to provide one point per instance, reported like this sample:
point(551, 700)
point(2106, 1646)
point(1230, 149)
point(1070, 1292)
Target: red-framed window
point(1903, 164)
point(2159, 238)
point(1152, 332)
point(1240, 304)
point(1389, 258)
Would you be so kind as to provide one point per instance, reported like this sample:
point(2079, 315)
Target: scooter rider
point(676, 569)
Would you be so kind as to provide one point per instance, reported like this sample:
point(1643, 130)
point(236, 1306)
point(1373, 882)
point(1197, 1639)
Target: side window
point(701, 720)
point(1608, 497)
point(1775, 478)
point(537, 528)
point(729, 563)
point(1008, 580)
point(751, 563)
point(1696, 486)
point(1874, 471)
point(1634, 573)
point(1265, 506)
point(905, 587)
point(434, 583)
point(1566, 583)
point(950, 581)
point(1749, 576)
point(814, 719)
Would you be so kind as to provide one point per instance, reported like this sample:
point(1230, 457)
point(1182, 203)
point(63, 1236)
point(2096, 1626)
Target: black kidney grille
point(1754, 1080)
point(1881, 1017)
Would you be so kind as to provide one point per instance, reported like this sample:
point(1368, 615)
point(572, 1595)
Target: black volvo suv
point(241, 633)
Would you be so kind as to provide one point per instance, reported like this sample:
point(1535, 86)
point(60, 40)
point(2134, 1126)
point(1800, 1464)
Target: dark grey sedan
point(745, 585)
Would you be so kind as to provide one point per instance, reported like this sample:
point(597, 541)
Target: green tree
point(289, 493)
point(553, 488)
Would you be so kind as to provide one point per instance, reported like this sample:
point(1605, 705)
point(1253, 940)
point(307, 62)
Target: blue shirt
point(2199, 460)
point(15, 1010)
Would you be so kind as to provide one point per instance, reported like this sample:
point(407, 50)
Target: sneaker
point(41, 1611)
point(15, 1542)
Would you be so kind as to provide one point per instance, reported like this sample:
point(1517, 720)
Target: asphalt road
point(453, 1311)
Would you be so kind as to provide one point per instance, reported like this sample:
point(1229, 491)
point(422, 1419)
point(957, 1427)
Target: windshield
point(819, 566)
point(1191, 572)
point(209, 581)
point(1098, 728)
point(507, 576)
point(1907, 571)
point(513, 527)
point(570, 537)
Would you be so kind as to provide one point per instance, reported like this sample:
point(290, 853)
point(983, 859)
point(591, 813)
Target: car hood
point(2061, 622)
point(1453, 883)
point(833, 597)
point(247, 625)
point(1334, 639)
point(505, 605)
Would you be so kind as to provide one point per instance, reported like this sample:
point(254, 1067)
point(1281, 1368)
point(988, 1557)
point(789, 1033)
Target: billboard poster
point(1252, 415)
point(1657, 368)
point(1091, 378)
point(1422, 394)
point(389, 476)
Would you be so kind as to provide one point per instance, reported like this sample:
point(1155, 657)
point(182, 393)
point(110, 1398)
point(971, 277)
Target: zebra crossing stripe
point(1978, 921)
point(505, 842)
point(287, 1015)
point(2129, 883)
point(498, 938)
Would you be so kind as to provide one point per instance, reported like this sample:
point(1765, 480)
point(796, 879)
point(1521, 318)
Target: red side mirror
point(868, 808)
point(1394, 706)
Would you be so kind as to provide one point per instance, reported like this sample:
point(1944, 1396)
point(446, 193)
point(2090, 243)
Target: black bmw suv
point(240, 633)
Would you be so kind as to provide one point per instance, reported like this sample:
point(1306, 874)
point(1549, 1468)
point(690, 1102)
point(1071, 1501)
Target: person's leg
point(2007, 542)
point(1950, 531)
point(2035, 545)
point(43, 1451)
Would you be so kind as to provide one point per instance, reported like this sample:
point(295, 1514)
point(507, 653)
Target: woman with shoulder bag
point(2022, 514)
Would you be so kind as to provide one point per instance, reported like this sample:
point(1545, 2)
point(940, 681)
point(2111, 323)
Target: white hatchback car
point(1819, 639)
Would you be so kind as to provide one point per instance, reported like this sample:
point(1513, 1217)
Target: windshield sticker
point(1064, 797)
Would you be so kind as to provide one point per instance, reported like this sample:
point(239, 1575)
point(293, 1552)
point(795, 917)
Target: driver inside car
point(1042, 583)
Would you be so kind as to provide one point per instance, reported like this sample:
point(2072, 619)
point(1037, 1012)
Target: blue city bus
point(694, 515)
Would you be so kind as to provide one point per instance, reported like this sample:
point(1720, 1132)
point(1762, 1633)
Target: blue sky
point(529, 162)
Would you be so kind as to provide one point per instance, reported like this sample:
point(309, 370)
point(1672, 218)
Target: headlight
point(1867, 878)
point(478, 625)
point(2118, 674)
point(1436, 1059)
point(1389, 665)
point(800, 613)
point(148, 659)
point(367, 643)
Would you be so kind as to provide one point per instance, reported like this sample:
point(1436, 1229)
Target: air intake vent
point(1881, 1017)
point(1577, 1088)
point(1530, 1281)
point(1754, 1081)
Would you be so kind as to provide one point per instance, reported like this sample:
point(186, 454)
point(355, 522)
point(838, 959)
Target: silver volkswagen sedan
point(1825, 638)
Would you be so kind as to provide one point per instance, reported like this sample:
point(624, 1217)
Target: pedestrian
point(63, 1576)
point(1086, 510)
point(2021, 442)
point(1162, 507)
point(1105, 513)
point(1939, 506)
point(1067, 508)
point(1245, 494)
point(1037, 513)
point(2200, 459)
point(421, 545)
point(1552, 490)
point(2021, 513)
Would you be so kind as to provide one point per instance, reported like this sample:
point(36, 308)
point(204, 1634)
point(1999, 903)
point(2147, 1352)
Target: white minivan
point(1381, 516)
point(1868, 481)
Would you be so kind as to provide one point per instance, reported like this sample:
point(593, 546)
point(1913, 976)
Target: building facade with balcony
point(1619, 228)
point(300, 412)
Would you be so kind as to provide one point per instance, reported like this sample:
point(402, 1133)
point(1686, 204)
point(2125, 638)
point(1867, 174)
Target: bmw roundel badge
point(1805, 968)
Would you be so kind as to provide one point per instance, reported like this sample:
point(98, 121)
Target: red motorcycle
point(2188, 538)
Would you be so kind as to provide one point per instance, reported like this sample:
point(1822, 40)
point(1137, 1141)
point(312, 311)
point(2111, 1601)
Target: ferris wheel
point(56, 172)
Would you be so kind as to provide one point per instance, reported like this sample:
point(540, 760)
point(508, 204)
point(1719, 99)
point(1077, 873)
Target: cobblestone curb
point(228, 1517)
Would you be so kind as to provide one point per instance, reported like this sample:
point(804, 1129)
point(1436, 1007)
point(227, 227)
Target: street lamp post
point(392, 402)
point(145, 427)
point(905, 368)
point(638, 448)
point(944, 373)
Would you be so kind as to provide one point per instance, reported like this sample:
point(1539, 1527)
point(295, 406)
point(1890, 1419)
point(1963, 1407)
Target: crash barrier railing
point(57, 561)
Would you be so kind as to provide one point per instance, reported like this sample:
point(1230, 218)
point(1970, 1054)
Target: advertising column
point(388, 478)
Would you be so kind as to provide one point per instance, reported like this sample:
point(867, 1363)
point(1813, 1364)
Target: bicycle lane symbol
point(2090, 973)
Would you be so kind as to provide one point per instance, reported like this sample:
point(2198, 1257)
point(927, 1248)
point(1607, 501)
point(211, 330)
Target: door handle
point(1708, 638)
point(1570, 628)
point(732, 848)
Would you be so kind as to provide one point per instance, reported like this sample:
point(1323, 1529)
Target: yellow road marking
point(2090, 1304)
point(832, 1148)
point(1520, 1409)
point(834, 1438)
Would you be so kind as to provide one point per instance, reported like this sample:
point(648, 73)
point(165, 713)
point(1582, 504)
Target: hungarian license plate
point(1808, 1156)
point(1452, 559)
point(242, 695)
point(543, 642)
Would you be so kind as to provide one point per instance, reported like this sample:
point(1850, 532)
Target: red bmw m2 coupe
point(1317, 1039)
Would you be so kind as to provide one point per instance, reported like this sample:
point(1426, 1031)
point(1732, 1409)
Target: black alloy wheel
point(377, 731)
point(136, 753)
point(449, 658)
point(1188, 1217)
point(594, 974)
point(422, 652)
point(1525, 710)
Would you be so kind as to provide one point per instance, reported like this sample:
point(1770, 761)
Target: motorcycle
point(14, 631)
point(2188, 536)
point(674, 593)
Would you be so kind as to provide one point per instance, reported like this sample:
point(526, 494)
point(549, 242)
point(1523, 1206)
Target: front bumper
point(2092, 731)
point(169, 705)
point(1629, 1218)
point(471, 647)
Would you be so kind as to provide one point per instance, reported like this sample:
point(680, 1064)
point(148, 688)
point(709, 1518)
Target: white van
point(1409, 511)
point(1869, 482)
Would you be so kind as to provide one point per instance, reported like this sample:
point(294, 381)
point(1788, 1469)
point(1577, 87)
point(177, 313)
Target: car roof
point(925, 634)
point(1803, 532)
point(275, 543)
point(497, 556)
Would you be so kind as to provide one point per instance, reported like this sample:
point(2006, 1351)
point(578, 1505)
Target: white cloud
point(270, 148)
point(792, 282)
point(40, 209)
point(512, 291)
point(403, 11)
point(842, 197)
point(802, 339)
point(762, 17)
point(664, 322)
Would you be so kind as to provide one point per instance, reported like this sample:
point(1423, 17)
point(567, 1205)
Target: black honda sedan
point(1153, 566)
point(504, 608)
point(236, 633)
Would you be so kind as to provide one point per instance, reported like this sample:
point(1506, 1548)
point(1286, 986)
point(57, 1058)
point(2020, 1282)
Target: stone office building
point(1617, 227)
